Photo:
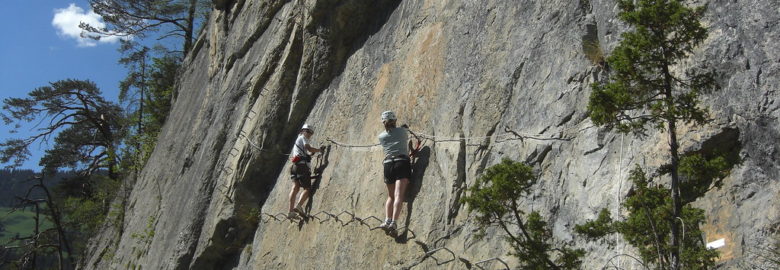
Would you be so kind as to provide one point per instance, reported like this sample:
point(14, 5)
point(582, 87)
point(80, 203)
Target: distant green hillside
point(15, 183)
point(19, 222)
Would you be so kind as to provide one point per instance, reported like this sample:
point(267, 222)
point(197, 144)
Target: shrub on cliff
point(495, 198)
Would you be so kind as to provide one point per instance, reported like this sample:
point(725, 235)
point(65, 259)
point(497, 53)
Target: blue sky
point(37, 49)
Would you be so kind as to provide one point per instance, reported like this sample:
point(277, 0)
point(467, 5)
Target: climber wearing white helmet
point(300, 170)
point(397, 167)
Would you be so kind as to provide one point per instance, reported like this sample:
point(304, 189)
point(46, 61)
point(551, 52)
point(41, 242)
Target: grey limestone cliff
point(459, 72)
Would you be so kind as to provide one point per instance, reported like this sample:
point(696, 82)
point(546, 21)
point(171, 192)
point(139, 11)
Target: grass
point(21, 222)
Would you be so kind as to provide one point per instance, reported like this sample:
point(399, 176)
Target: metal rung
point(352, 216)
point(363, 221)
point(428, 254)
point(492, 259)
point(318, 214)
point(271, 216)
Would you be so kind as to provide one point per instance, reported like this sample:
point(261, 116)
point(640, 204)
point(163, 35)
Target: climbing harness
point(413, 152)
point(304, 157)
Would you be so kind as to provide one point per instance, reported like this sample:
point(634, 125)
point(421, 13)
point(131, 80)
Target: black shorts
point(301, 174)
point(396, 170)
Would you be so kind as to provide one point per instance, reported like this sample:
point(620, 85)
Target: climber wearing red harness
point(300, 170)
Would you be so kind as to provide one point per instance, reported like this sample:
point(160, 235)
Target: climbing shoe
point(299, 210)
point(292, 215)
point(385, 224)
point(391, 226)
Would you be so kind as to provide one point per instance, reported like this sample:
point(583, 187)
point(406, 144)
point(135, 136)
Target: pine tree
point(140, 18)
point(87, 128)
point(643, 90)
point(648, 207)
point(147, 91)
point(494, 197)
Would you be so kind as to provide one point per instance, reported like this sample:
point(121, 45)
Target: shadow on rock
point(422, 159)
point(320, 165)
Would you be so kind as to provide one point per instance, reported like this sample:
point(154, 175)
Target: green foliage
point(116, 215)
point(19, 240)
point(647, 226)
point(702, 174)
point(641, 90)
point(250, 216)
point(144, 239)
point(94, 137)
point(16, 182)
point(146, 236)
point(87, 131)
point(494, 197)
point(86, 213)
point(142, 18)
point(19, 222)
point(498, 188)
point(84, 203)
point(598, 228)
point(590, 43)
point(161, 88)
point(87, 126)
point(593, 51)
point(148, 90)
point(108, 255)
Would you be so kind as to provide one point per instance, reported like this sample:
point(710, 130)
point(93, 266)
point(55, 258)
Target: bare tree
point(40, 242)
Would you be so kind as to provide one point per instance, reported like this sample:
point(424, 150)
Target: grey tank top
point(394, 142)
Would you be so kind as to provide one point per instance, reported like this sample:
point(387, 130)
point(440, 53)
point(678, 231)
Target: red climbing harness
point(417, 147)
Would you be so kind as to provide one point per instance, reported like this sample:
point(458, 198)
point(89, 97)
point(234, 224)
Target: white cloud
point(67, 20)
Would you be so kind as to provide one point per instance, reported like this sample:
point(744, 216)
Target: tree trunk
point(141, 101)
point(139, 152)
point(675, 184)
point(661, 256)
point(528, 238)
point(55, 216)
point(188, 33)
point(36, 236)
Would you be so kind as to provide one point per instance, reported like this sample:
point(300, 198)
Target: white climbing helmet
point(307, 127)
point(388, 115)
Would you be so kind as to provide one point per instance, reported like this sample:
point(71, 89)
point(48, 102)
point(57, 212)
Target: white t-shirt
point(299, 149)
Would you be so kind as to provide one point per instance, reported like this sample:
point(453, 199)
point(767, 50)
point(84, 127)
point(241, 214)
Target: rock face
point(459, 73)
